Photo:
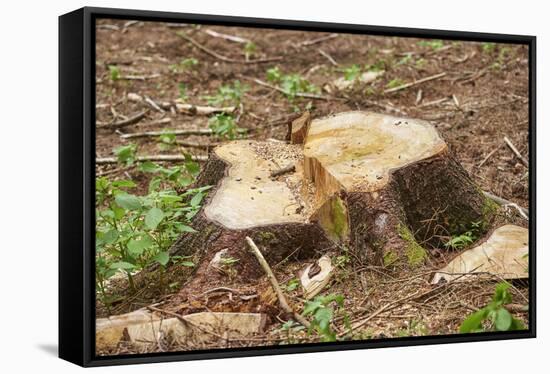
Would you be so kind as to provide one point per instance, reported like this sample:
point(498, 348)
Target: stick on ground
point(127, 122)
point(205, 132)
point(274, 283)
point(165, 158)
point(407, 85)
point(516, 152)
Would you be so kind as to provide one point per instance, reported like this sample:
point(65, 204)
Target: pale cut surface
point(357, 150)
point(144, 328)
point(503, 254)
point(247, 196)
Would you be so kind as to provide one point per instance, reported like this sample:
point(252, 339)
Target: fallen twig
point(231, 38)
point(410, 84)
point(184, 143)
point(203, 110)
point(516, 152)
point(165, 158)
point(287, 169)
point(274, 283)
point(127, 122)
point(488, 156)
point(328, 57)
point(225, 58)
point(146, 134)
point(318, 40)
point(153, 105)
point(501, 201)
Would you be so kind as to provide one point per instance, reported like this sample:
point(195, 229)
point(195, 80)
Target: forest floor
point(479, 96)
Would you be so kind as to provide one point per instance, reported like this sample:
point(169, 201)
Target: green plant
point(352, 73)
point(126, 154)
point(377, 66)
point(466, 238)
point(414, 327)
point(167, 140)
point(291, 84)
point(289, 328)
point(495, 315)
point(488, 47)
point(249, 50)
point(134, 231)
point(322, 310)
point(114, 72)
point(228, 94)
point(433, 44)
point(224, 126)
point(292, 284)
point(183, 65)
point(182, 90)
point(395, 83)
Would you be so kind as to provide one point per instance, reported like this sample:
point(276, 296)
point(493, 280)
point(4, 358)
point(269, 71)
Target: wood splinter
point(287, 169)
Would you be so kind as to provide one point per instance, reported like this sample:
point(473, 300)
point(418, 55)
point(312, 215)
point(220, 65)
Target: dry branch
point(203, 110)
point(318, 40)
point(231, 38)
point(225, 58)
point(146, 134)
point(410, 84)
point(165, 158)
point(127, 122)
point(501, 201)
point(274, 283)
point(287, 169)
point(516, 152)
point(328, 57)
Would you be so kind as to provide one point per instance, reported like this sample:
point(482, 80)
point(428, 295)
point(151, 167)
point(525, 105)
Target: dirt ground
point(482, 98)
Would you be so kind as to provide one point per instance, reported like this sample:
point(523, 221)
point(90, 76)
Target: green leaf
point(311, 307)
point(136, 247)
point(162, 258)
point(187, 263)
point(473, 322)
point(503, 320)
point(192, 168)
point(110, 236)
point(122, 265)
point(127, 201)
point(323, 316)
point(517, 325)
point(185, 228)
point(153, 218)
point(124, 184)
point(149, 167)
point(196, 200)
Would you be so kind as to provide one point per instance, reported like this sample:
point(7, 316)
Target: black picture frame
point(76, 183)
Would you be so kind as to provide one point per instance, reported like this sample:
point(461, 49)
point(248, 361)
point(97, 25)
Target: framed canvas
point(233, 186)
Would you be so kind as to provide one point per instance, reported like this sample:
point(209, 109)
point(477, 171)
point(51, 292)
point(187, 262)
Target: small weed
point(291, 84)
point(433, 44)
point(114, 73)
point(488, 47)
point(395, 83)
point(126, 154)
point(166, 141)
point(494, 313)
point(249, 50)
point(466, 238)
point(322, 310)
point(228, 94)
point(292, 284)
point(224, 126)
point(352, 73)
point(184, 65)
point(182, 89)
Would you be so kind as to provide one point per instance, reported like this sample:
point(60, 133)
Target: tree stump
point(385, 187)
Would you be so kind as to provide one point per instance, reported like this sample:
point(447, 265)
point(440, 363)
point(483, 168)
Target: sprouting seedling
point(114, 72)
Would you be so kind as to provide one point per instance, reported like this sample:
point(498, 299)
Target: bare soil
point(482, 98)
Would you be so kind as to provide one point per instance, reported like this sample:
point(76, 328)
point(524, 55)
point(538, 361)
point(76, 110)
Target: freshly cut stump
point(383, 185)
